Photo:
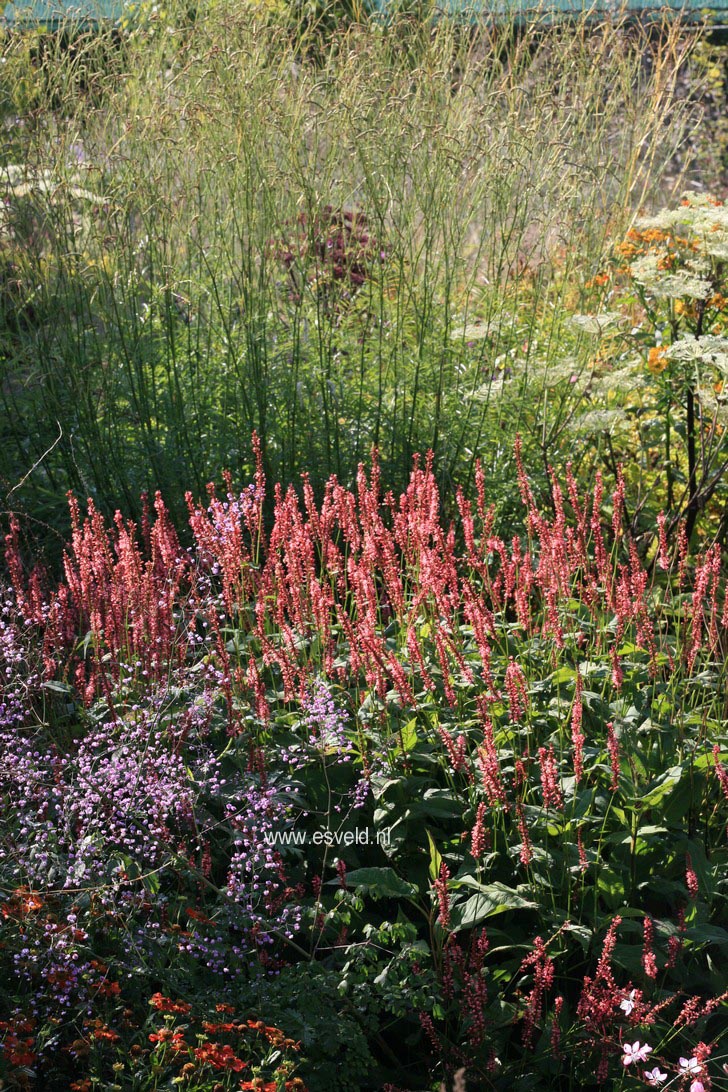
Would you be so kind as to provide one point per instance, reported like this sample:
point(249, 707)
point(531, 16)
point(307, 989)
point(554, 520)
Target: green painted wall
point(54, 12)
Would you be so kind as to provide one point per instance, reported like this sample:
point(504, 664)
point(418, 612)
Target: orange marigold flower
point(80, 1086)
point(225, 1008)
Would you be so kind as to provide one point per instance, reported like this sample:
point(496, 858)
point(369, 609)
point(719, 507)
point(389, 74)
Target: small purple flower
point(326, 723)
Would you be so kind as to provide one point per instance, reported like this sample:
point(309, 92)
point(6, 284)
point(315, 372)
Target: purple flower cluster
point(326, 723)
point(154, 806)
point(128, 794)
point(18, 679)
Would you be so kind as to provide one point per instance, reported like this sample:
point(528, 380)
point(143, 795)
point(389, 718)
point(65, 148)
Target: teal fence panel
point(52, 13)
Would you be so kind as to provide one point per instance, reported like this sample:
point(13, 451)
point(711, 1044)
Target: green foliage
point(307, 1001)
point(149, 330)
point(658, 401)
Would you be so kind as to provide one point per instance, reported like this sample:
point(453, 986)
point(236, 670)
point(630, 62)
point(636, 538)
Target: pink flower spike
point(635, 1053)
point(655, 1077)
point(690, 1066)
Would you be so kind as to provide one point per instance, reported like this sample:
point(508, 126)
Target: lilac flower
point(635, 1053)
point(690, 1067)
point(655, 1076)
point(627, 1005)
point(326, 723)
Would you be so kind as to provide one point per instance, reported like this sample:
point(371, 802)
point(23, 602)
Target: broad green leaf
point(707, 934)
point(661, 788)
point(491, 899)
point(380, 883)
point(440, 804)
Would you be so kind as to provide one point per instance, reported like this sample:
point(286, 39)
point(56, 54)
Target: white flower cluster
point(705, 350)
point(682, 284)
point(596, 324)
point(701, 216)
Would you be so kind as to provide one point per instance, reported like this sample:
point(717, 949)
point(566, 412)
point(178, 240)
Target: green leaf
point(439, 804)
point(57, 687)
point(661, 788)
point(491, 899)
point(435, 859)
point(380, 883)
point(707, 934)
point(409, 735)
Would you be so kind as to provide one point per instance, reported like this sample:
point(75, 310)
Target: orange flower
point(108, 989)
point(654, 235)
point(173, 1037)
point(225, 1008)
point(656, 360)
point(274, 1035)
point(667, 261)
point(598, 281)
point(197, 915)
point(23, 902)
point(219, 1057)
point(105, 1035)
point(627, 250)
point(79, 1048)
point(218, 1029)
point(165, 1004)
point(19, 1052)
